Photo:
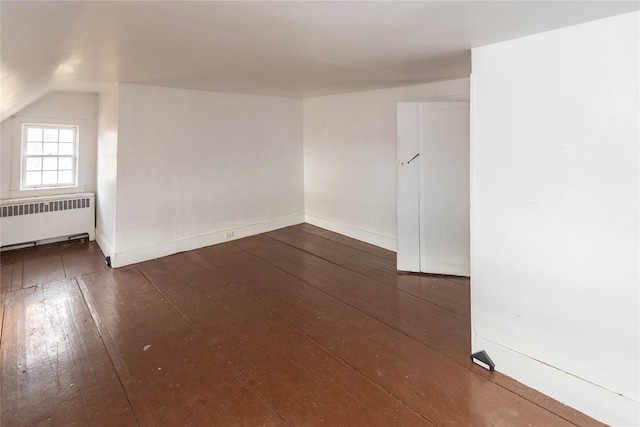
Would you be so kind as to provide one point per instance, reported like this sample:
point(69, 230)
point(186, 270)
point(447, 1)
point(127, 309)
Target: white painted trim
point(43, 192)
point(106, 248)
point(47, 198)
point(16, 189)
point(597, 402)
point(144, 254)
point(472, 182)
point(366, 236)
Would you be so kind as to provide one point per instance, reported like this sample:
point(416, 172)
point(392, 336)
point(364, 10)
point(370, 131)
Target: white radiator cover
point(41, 218)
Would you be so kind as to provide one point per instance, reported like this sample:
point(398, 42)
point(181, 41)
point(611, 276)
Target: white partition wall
point(555, 216)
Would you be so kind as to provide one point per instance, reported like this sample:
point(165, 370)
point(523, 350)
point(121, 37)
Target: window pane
point(49, 177)
point(34, 148)
point(65, 163)
point(34, 178)
point(49, 155)
point(51, 135)
point(50, 163)
point(34, 163)
point(66, 135)
point(65, 149)
point(34, 134)
point(65, 177)
point(50, 148)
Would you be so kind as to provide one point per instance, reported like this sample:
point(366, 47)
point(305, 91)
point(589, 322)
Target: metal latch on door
point(412, 159)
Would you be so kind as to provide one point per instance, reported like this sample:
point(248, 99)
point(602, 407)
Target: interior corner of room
point(523, 173)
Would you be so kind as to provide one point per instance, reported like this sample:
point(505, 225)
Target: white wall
point(107, 170)
point(6, 155)
point(193, 165)
point(55, 105)
point(555, 216)
point(350, 158)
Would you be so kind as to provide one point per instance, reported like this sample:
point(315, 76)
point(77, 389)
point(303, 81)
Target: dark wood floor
point(299, 326)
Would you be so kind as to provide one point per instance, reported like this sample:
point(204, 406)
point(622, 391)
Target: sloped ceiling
point(295, 49)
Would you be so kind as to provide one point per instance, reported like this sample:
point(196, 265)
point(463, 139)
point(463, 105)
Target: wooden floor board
point(42, 264)
point(55, 370)
point(356, 244)
point(437, 290)
point(383, 271)
point(544, 401)
point(1, 325)
point(300, 379)
point(274, 288)
point(81, 258)
point(425, 380)
point(299, 326)
point(420, 377)
point(389, 256)
point(354, 259)
point(431, 324)
point(434, 288)
point(465, 281)
point(11, 268)
point(173, 376)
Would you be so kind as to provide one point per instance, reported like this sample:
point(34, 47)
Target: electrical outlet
point(228, 234)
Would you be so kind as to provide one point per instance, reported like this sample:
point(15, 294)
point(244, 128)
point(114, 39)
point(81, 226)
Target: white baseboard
point(353, 232)
point(106, 248)
point(144, 254)
point(597, 402)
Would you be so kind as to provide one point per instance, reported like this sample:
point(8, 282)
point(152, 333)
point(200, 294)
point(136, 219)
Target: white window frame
point(43, 156)
point(19, 160)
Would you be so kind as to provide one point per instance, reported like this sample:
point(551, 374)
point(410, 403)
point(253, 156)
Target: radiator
point(43, 218)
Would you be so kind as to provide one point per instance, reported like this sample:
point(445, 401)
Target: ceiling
point(295, 49)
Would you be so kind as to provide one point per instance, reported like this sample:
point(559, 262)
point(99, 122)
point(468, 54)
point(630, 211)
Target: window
point(49, 156)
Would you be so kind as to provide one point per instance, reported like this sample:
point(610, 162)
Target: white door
point(408, 187)
point(433, 187)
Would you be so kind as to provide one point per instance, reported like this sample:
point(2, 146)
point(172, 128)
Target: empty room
point(320, 213)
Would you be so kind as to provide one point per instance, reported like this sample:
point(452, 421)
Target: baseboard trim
point(353, 232)
point(106, 248)
point(120, 259)
point(595, 401)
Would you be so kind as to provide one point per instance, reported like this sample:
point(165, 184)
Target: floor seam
point(346, 268)
point(442, 276)
point(322, 346)
point(94, 314)
point(340, 243)
point(362, 275)
point(357, 309)
point(211, 344)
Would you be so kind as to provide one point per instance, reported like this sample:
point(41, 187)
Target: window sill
point(38, 192)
